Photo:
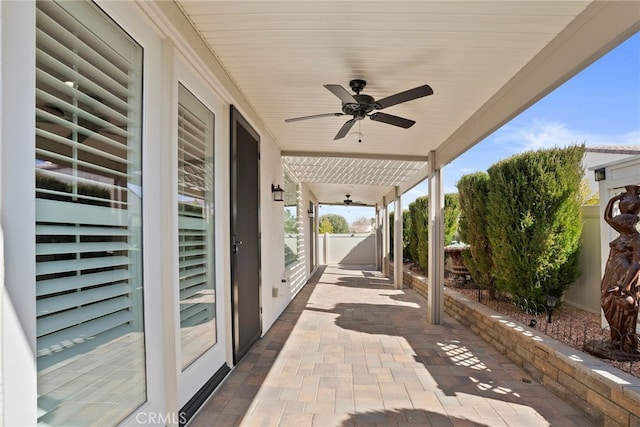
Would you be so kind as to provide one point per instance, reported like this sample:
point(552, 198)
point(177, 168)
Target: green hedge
point(418, 236)
point(534, 222)
point(406, 229)
point(473, 190)
point(451, 217)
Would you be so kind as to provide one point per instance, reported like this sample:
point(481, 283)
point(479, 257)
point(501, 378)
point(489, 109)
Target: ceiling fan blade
point(392, 120)
point(341, 93)
point(407, 95)
point(344, 130)
point(315, 116)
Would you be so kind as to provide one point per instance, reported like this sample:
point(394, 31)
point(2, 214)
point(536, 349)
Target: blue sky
point(598, 106)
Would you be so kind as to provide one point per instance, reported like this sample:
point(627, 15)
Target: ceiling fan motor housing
point(364, 106)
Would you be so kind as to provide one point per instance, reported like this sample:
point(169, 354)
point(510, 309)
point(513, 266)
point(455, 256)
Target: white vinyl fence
point(358, 249)
point(584, 293)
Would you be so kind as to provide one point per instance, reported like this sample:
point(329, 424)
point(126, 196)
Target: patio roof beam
point(372, 156)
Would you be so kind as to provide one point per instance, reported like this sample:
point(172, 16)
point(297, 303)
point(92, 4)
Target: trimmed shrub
point(419, 235)
point(534, 221)
point(472, 190)
point(406, 230)
point(451, 217)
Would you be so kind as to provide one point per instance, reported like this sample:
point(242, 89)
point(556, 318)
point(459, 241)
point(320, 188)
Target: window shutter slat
point(63, 230)
point(60, 212)
point(68, 283)
point(193, 289)
point(52, 267)
point(194, 315)
point(72, 247)
point(68, 319)
point(81, 332)
point(63, 302)
point(192, 224)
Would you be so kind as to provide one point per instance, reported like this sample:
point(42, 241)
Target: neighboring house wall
point(358, 249)
point(598, 155)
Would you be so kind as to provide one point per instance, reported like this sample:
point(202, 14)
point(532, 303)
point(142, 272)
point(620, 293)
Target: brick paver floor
point(351, 350)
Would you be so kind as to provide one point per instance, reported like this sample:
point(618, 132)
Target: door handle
point(236, 244)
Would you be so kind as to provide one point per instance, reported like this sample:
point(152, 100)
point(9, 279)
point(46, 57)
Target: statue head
point(630, 201)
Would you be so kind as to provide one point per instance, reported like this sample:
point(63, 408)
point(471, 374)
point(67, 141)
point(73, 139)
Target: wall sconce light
point(278, 193)
point(600, 174)
point(311, 213)
point(551, 305)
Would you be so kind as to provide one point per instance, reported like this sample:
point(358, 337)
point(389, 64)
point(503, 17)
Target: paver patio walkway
point(351, 350)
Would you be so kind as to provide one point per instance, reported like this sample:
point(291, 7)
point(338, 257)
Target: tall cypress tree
point(534, 221)
point(472, 190)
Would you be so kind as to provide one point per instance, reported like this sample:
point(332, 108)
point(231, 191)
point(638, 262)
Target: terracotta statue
point(620, 287)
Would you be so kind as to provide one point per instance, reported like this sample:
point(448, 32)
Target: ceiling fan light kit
point(348, 201)
point(360, 106)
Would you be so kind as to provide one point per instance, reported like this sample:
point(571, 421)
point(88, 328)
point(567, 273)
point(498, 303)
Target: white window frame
point(17, 201)
point(19, 371)
point(197, 373)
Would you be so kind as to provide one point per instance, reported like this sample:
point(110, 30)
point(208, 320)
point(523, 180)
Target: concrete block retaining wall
point(607, 394)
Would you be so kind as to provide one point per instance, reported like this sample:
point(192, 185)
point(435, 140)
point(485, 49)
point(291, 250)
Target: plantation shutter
point(88, 183)
point(195, 224)
point(291, 231)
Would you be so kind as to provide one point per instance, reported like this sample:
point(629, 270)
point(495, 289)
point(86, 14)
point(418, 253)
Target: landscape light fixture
point(278, 193)
point(551, 305)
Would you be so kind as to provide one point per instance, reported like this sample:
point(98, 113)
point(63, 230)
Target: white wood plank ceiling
point(485, 60)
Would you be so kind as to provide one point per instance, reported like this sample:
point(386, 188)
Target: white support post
point(377, 235)
point(385, 238)
point(326, 248)
point(435, 293)
point(397, 241)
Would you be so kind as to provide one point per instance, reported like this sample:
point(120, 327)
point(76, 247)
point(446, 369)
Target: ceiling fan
point(349, 202)
point(360, 106)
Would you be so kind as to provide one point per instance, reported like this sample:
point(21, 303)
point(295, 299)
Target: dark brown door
point(245, 235)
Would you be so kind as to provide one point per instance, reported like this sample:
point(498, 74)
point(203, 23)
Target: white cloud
point(541, 134)
point(534, 135)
